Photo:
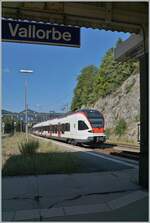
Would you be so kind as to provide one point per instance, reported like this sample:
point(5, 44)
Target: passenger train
point(84, 126)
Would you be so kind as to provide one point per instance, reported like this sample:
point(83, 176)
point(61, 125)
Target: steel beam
point(144, 122)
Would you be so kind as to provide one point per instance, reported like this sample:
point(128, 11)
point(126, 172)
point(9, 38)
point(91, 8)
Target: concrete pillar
point(144, 121)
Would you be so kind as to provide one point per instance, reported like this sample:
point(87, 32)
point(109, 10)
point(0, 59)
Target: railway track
point(122, 150)
point(128, 147)
point(127, 154)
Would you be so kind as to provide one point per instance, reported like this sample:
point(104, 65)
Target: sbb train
point(84, 126)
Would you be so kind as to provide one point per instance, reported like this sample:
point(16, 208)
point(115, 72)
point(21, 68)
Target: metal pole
point(3, 128)
point(20, 126)
point(26, 110)
point(25, 71)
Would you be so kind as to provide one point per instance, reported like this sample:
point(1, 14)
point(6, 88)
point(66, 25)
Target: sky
point(55, 70)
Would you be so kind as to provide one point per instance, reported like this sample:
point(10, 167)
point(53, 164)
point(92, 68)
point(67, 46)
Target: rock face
point(123, 104)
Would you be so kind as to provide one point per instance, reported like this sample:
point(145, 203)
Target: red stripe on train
point(98, 130)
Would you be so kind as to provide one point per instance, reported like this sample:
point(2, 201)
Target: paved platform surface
point(113, 195)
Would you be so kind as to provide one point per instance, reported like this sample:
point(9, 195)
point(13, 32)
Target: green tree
point(19, 125)
point(119, 41)
point(120, 127)
point(112, 74)
point(9, 124)
point(84, 89)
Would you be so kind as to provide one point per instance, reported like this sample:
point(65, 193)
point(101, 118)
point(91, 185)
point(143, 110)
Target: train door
point(73, 127)
point(82, 129)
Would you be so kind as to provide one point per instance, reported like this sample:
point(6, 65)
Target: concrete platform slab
point(84, 209)
point(8, 215)
point(125, 200)
point(92, 199)
point(57, 185)
point(136, 212)
point(20, 204)
point(52, 201)
point(18, 186)
point(63, 196)
point(129, 175)
point(53, 212)
point(103, 183)
point(65, 201)
point(27, 215)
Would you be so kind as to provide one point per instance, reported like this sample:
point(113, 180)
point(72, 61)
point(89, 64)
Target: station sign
point(40, 33)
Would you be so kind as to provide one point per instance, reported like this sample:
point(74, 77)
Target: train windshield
point(96, 119)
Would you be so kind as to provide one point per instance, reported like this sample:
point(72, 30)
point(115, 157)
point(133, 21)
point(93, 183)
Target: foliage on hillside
point(83, 93)
point(93, 82)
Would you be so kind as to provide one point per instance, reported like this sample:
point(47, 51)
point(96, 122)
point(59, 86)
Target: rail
point(126, 147)
point(120, 149)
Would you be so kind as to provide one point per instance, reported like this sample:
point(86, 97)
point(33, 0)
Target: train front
point(96, 120)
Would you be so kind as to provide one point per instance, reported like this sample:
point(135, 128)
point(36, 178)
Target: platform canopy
point(133, 47)
point(115, 16)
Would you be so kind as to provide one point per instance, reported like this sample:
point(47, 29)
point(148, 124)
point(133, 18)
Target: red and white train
point(84, 126)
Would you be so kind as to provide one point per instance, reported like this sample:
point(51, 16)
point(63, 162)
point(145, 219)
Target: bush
point(120, 127)
point(107, 133)
point(137, 118)
point(28, 147)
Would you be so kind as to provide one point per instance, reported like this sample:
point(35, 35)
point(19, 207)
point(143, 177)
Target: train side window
point(82, 125)
point(55, 128)
point(67, 127)
point(63, 127)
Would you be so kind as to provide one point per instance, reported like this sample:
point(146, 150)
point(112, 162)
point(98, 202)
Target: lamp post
point(26, 72)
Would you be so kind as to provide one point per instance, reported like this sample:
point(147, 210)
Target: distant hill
point(33, 116)
point(6, 111)
point(29, 112)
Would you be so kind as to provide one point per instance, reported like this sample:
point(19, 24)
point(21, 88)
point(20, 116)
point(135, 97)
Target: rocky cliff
point(123, 104)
